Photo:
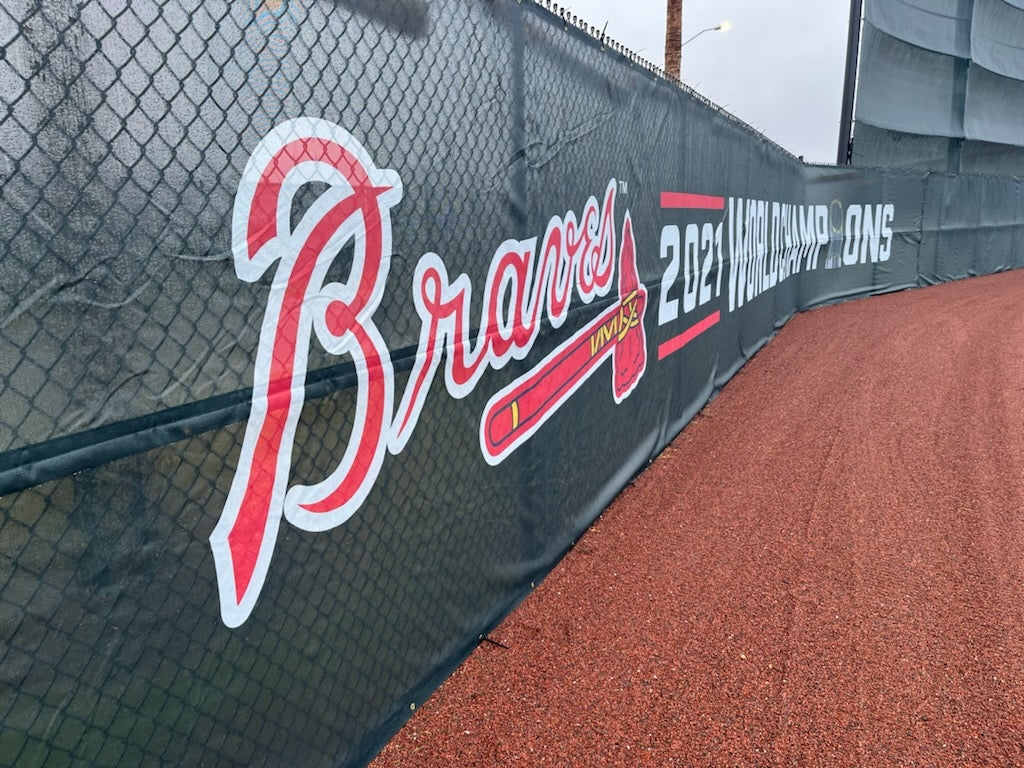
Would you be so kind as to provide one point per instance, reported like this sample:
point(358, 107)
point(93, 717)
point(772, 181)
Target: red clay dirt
point(824, 569)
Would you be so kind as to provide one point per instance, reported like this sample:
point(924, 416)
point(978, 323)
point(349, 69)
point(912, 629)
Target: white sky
point(780, 68)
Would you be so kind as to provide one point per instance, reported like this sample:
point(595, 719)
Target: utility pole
point(673, 38)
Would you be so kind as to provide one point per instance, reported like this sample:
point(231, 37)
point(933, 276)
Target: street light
point(725, 26)
point(673, 30)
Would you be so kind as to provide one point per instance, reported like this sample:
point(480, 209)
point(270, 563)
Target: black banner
point(326, 328)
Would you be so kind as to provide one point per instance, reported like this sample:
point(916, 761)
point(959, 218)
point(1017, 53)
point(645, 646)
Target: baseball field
point(823, 569)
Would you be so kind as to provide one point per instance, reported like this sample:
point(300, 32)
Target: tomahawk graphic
point(516, 412)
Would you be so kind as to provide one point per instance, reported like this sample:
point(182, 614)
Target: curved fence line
point(326, 328)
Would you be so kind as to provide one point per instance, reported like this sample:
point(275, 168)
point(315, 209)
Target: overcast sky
point(780, 68)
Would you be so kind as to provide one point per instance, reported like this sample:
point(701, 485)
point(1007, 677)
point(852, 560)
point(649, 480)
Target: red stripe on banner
point(675, 344)
point(690, 200)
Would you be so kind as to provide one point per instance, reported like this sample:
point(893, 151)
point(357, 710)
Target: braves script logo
point(524, 284)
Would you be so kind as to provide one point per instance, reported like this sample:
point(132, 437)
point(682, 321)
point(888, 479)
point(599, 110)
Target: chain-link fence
point(127, 349)
point(130, 349)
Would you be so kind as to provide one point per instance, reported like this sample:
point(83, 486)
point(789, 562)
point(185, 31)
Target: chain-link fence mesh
point(128, 346)
point(126, 127)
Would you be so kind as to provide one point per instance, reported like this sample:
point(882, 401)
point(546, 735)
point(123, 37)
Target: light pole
point(673, 36)
point(844, 152)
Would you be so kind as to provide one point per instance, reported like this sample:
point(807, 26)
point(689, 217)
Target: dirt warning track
point(826, 568)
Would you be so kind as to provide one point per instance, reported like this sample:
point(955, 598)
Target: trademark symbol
point(623, 187)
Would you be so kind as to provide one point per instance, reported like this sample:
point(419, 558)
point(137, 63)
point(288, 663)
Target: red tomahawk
point(517, 411)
